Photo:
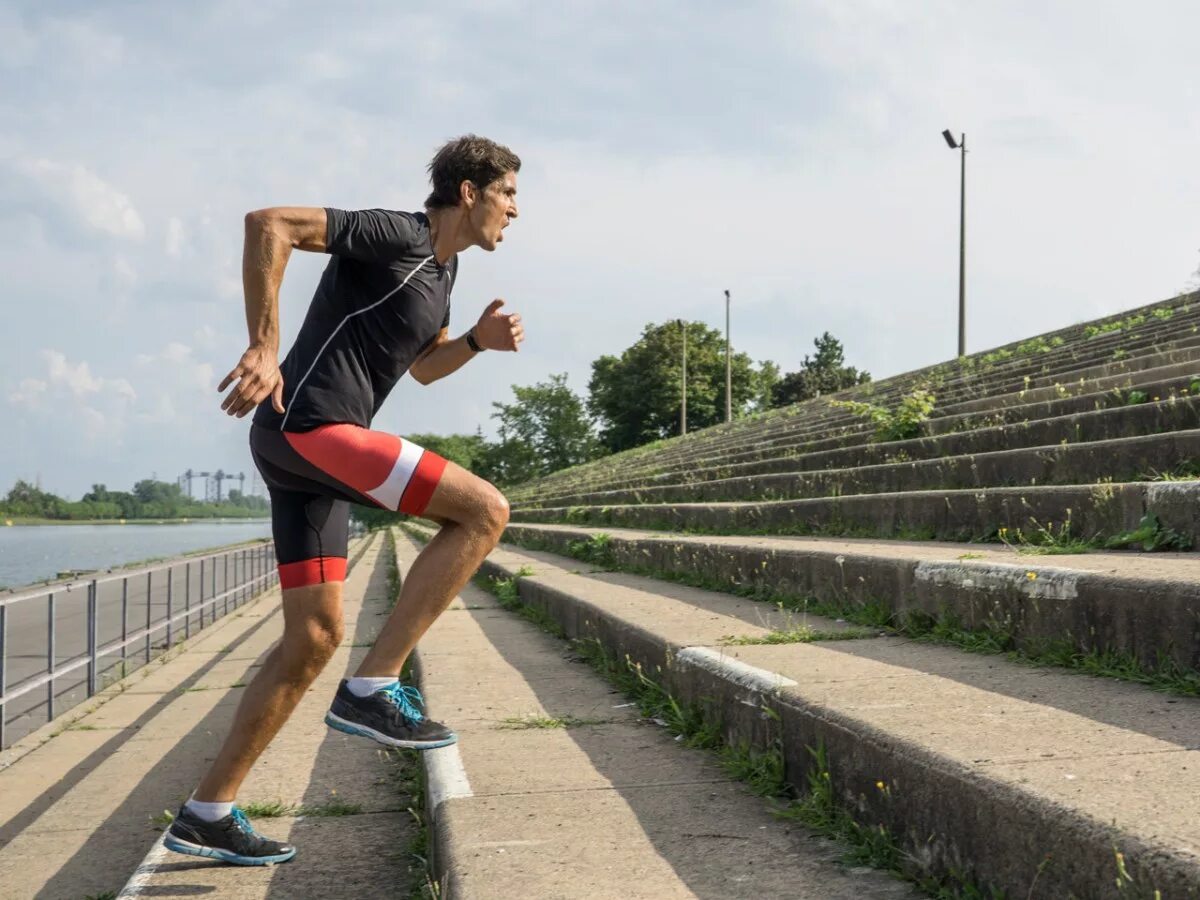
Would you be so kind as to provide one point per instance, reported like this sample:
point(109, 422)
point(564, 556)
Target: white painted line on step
point(748, 676)
point(1042, 582)
point(446, 777)
point(143, 873)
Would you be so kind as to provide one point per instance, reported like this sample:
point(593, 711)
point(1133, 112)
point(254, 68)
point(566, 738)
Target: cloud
point(175, 238)
point(28, 393)
point(83, 196)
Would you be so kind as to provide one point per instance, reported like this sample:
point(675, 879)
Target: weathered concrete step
point(1142, 605)
point(1140, 354)
point(1086, 510)
point(1103, 413)
point(1039, 455)
point(812, 413)
point(609, 806)
point(1011, 778)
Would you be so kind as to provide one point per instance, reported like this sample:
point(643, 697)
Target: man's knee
point(497, 512)
point(310, 644)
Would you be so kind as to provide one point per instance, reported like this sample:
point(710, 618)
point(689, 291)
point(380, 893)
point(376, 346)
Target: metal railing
point(87, 625)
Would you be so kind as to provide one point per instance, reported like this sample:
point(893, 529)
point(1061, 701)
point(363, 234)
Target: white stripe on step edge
point(446, 777)
point(142, 875)
point(735, 670)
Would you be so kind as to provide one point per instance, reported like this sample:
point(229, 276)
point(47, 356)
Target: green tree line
point(149, 499)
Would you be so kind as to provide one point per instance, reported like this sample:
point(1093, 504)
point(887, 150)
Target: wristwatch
point(472, 343)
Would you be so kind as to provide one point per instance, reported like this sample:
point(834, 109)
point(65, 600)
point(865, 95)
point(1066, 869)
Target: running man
point(382, 308)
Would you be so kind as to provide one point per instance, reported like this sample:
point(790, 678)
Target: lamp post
point(961, 145)
point(683, 382)
point(728, 367)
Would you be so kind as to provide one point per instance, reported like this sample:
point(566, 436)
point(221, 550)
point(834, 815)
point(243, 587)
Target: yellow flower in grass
point(1032, 576)
point(880, 785)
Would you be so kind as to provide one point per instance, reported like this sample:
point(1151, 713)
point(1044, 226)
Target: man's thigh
point(461, 496)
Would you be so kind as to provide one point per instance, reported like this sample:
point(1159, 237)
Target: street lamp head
point(950, 139)
point(727, 294)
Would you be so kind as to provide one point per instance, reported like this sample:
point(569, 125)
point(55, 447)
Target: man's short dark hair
point(468, 158)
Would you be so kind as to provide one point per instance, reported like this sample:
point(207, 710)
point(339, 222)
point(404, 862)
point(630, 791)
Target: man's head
point(477, 177)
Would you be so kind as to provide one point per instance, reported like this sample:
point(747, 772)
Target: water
point(30, 553)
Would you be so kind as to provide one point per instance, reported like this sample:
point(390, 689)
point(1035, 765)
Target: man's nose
point(512, 211)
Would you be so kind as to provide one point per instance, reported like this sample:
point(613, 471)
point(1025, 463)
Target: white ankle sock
point(209, 812)
point(365, 687)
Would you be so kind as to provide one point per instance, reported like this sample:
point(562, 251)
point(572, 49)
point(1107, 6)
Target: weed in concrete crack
point(163, 819)
point(409, 778)
point(1150, 534)
point(267, 809)
point(508, 592)
point(521, 723)
point(800, 634)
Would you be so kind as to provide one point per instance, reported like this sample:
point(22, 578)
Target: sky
point(789, 152)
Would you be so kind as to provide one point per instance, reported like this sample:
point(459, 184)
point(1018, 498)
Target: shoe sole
point(339, 724)
point(181, 846)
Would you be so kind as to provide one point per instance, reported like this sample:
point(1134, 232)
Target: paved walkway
point(77, 810)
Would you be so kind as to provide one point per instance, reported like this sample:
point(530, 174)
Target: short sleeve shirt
point(381, 301)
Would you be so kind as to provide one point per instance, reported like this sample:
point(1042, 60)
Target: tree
point(824, 373)
point(545, 430)
point(636, 396)
point(466, 450)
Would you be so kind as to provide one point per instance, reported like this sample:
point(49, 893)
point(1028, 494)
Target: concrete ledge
point(1000, 773)
point(1147, 606)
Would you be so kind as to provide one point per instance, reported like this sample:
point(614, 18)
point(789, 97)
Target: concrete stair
point(988, 775)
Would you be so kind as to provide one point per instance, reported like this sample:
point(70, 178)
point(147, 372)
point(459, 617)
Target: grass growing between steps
point(408, 772)
point(1035, 540)
point(546, 723)
point(408, 778)
point(1165, 675)
point(761, 769)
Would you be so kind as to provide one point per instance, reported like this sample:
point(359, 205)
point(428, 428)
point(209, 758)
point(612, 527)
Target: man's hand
point(499, 331)
point(260, 377)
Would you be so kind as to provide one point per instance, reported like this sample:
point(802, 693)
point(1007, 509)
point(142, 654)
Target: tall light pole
point(728, 367)
point(962, 242)
point(683, 382)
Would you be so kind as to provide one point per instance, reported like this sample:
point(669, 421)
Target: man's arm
point(271, 235)
point(494, 331)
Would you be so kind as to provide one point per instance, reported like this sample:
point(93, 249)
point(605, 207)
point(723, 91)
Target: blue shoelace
point(407, 699)
point(239, 819)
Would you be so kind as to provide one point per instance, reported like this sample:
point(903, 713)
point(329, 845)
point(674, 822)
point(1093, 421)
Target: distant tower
point(219, 476)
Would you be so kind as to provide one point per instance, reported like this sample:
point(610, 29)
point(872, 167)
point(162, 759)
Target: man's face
point(494, 208)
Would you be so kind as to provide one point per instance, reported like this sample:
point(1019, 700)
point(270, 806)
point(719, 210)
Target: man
point(382, 308)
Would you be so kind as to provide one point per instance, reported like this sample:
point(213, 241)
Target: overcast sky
point(787, 151)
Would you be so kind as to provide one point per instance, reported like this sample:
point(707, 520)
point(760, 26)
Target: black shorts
point(314, 476)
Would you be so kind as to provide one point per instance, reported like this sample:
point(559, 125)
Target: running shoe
point(231, 839)
point(391, 716)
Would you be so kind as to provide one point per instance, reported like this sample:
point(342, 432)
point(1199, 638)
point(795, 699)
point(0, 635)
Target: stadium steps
point(992, 775)
point(559, 788)
point(1151, 418)
point(1167, 365)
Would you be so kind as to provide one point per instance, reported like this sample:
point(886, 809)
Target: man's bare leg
point(312, 631)
point(473, 514)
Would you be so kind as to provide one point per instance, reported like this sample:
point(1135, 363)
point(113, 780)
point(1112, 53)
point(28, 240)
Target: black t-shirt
point(381, 301)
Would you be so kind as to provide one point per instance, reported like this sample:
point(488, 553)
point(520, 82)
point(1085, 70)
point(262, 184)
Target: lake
point(31, 553)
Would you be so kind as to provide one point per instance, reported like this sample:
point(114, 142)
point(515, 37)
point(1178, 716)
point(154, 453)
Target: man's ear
point(466, 193)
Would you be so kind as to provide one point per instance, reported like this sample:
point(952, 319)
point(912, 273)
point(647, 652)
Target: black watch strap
point(472, 343)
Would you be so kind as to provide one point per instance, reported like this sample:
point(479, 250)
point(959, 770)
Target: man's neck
point(447, 233)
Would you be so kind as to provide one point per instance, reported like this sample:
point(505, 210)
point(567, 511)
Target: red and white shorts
point(314, 476)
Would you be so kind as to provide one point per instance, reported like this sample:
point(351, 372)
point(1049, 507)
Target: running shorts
point(314, 476)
